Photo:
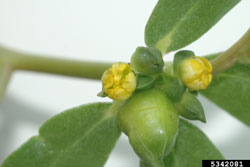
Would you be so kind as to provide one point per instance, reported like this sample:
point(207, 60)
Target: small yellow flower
point(119, 82)
point(196, 73)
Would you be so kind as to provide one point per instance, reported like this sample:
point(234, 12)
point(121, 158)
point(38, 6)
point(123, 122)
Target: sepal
point(190, 107)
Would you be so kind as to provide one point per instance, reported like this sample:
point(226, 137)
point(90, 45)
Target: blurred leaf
point(230, 90)
point(79, 137)
point(192, 146)
point(177, 23)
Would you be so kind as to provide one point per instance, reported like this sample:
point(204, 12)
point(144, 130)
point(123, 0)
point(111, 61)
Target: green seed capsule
point(147, 60)
point(150, 120)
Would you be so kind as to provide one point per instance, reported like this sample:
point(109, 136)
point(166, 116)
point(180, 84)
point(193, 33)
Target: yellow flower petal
point(119, 82)
point(196, 73)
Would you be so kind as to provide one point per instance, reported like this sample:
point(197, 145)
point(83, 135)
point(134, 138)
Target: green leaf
point(230, 90)
point(192, 146)
point(79, 137)
point(177, 23)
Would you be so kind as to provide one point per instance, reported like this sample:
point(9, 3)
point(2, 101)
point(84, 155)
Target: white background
point(104, 31)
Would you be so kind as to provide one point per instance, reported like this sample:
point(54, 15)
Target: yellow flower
point(196, 73)
point(119, 82)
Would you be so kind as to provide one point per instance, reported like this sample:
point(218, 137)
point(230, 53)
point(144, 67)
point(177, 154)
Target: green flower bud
point(190, 107)
point(150, 121)
point(147, 60)
point(172, 87)
point(170, 84)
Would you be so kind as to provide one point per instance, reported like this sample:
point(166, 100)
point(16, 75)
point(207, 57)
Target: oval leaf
point(192, 146)
point(230, 90)
point(79, 137)
point(176, 23)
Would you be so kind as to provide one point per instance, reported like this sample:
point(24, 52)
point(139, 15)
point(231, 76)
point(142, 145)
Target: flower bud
point(195, 73)
point(150, 121)
point(147, 60)
point(172, 87)
point(119, 82)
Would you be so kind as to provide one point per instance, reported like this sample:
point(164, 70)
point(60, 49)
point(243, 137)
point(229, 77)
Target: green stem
point(228, 58)
point(5, 73)
point(114, 108)
point(12, 60)
point(83, 69)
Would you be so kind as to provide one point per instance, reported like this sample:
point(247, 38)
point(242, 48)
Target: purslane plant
point(150, 96)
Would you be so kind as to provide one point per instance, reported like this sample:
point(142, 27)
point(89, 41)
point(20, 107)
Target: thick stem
point(83, 69)
point(228, 58)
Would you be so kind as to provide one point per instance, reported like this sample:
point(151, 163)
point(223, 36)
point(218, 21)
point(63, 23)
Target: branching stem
point(11, 60)
point(240, 49)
